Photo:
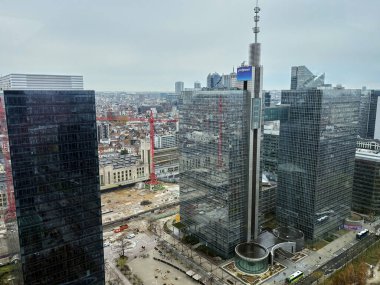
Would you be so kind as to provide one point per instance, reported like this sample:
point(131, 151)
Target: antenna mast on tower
point(256, 28)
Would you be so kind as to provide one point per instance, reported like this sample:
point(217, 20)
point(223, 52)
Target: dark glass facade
point(53, 152)
point(316, 159)
point(269, 154)
point(213, 144)
point(366, 191)
point(373, 99)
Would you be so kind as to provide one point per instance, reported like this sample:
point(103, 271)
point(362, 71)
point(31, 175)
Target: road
point(341, 259)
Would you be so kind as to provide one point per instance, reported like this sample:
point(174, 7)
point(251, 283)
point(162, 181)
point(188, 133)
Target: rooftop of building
point(118, 162)
point(367, 154)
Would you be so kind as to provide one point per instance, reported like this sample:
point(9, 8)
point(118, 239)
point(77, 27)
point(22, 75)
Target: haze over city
point(147, 45)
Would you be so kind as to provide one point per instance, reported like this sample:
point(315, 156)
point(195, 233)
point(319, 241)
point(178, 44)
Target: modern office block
point(302, 78)
point(16, 81)
point(316, 159)
point(214, 149)
point(55, 173)
point(214, 80)
point(366, 191)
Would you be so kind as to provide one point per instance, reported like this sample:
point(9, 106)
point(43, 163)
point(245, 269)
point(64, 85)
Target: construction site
point(135, 200)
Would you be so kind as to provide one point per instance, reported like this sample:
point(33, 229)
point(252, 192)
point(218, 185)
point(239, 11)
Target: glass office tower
point(54, 160)
point(213, 143)
point(316, 159)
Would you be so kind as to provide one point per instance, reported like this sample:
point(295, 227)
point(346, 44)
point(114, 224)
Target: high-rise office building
point(16, 81)
point(214, 148)
point(316, 159)
point(214, 80)
point(302, 77)
point(197, 85)
point(366, 190)
point(179, 87)
point(50, 139)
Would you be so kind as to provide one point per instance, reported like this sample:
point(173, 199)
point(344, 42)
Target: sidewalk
point(119, 274)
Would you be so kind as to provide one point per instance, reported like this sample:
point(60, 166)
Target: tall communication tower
point(255, 132)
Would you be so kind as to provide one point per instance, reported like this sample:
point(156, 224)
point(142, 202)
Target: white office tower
point(16, 81)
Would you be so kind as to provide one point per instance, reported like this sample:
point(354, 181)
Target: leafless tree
point(121, 244)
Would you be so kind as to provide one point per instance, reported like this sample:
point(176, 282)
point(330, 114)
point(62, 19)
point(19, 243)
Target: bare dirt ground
point(125, 202)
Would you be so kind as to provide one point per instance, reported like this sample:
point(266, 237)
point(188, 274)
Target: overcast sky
point(141, 45)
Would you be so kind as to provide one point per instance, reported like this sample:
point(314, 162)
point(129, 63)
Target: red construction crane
point(11, 210)
point(151, 120)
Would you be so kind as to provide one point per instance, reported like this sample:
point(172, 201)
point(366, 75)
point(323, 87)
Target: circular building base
point(290, 234)
point(251, 258)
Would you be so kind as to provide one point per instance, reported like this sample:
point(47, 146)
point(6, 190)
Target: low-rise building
point(167, 163)
point(122, 170)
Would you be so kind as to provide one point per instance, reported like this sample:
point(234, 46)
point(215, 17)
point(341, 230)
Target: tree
point(124, 152)
point(121, 245)
point(361, 273)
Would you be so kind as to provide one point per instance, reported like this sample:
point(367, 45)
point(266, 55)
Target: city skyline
point(148, 46)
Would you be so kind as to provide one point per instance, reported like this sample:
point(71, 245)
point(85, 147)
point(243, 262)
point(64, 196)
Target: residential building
point(103, 131)
point(165, 141)
point(15, 81)
point(366, 190)
point(302, 77)
point(316, 159)
point(179, 87)
point(214, 151)
point(54, 169)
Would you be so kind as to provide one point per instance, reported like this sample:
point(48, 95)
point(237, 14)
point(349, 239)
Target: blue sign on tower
point(244, 73)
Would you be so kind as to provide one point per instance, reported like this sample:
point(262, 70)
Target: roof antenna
point(256, 18)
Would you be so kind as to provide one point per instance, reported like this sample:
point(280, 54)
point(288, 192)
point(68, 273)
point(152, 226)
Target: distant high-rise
point(316, 159)
point(15, 81)
point(179, 87)
point(226, 81)
point(214, 148)
point(197, 85)
point(214, 80)
point(53, 185)
point(302, 77)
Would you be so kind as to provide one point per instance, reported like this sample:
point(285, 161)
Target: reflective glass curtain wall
point(316, 159)
point(213, 144)
point(53, 151)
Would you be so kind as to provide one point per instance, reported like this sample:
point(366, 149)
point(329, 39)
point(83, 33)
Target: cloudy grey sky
point(141, 45)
